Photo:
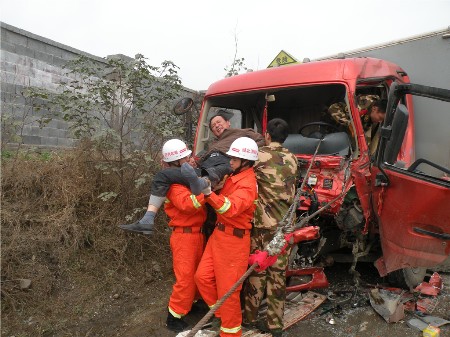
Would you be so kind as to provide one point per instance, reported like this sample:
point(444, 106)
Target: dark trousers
point(215, 166)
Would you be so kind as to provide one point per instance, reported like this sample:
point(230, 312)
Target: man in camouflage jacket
point(276, 173)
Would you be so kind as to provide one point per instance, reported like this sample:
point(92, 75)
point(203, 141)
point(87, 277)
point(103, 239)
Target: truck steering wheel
point(321, 129)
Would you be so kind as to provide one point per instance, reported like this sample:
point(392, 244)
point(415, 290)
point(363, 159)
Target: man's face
point(219, 125)
point(377, 115)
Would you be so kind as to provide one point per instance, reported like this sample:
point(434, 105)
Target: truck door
point(411, 204)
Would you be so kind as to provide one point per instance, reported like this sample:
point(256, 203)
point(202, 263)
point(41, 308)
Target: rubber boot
point(262, 326)
point(175, 324)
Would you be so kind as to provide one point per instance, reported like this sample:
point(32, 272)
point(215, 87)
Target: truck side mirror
point(183, 105)
point(398, 130)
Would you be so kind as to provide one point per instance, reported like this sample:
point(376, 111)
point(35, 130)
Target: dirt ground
point(141, 311)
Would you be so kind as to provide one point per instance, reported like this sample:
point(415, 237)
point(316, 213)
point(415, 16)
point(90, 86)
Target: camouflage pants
point(271, 281)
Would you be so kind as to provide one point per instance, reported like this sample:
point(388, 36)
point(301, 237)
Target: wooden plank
point(297, 307)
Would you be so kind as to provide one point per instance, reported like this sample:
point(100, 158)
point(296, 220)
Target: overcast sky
point(199, 35)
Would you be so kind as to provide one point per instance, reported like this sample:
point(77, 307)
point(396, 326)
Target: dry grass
point(56, 232)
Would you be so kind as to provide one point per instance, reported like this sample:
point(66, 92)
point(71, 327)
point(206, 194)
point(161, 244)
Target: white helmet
point(174, 149)
point(244, 148)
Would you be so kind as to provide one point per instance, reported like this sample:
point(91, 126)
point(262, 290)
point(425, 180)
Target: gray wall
point(426, 59)
point(31, 60)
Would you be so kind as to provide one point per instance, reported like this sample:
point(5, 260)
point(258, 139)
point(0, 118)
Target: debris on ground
point(433, 287)
point(200, 333)
point(388, 304)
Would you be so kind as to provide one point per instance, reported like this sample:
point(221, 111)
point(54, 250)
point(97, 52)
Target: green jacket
point(276, 174)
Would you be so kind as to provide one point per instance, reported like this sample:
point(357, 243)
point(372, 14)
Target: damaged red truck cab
point(385, 212)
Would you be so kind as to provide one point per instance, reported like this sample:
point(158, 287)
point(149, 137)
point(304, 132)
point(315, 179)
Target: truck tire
point(407, 278)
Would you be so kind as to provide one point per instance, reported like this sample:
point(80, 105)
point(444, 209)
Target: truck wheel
point(407, 278)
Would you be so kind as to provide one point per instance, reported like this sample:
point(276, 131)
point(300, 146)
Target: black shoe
point(249, 326)
point(214, 323)
point(199, 307)
point(137, 227)
point(175, 324)
point(261, 325)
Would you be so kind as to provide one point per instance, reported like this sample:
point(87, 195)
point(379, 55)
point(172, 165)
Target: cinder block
point(68, 55)
point(15, 79)
point(3, 33)
point(43, 76)
point(65, 142)
point(7, 46)
point(15, 38)
point(42, 56)
point(25, 70)
point(56, 78)
point(50, 141)
point(31, 140)
point(13, 58)
point(52, 50)
point(7, 108)
point(18, 110)
point(27, 129)
point(52, 125)
point(64, 133)
point(38, 131)
point(45, 66)
point(59, 62)
point(25, 51)
point(8, 88)
point(8, 67)
point(62, 124)
point(16, 99)
point(36, 82)
point(19, 89)
point(52, 132)
point(36, 45)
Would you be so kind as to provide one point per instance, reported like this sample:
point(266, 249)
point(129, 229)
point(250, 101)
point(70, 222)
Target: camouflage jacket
point(276, 174)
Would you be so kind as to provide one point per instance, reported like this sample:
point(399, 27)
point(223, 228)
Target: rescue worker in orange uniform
point(187, 214)
point(226, 254)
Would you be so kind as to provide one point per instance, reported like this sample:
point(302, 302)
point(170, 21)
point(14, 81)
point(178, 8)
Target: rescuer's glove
point(207, 190)
point(263, 259)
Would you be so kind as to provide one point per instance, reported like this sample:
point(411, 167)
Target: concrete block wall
point(31, 60)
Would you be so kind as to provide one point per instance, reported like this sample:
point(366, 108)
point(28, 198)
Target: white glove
point(207, 190)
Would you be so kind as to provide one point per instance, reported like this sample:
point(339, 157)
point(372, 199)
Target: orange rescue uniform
point(225, 258)
point(187, 214)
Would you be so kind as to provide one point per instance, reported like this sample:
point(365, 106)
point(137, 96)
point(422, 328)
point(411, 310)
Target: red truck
point(385, 209)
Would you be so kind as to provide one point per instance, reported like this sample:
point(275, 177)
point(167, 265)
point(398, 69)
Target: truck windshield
point(306, 109)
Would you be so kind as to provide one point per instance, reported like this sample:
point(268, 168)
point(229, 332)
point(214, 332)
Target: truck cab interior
point(305, 109)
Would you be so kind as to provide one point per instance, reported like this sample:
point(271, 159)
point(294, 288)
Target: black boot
point(175, 324)
point(262, 326)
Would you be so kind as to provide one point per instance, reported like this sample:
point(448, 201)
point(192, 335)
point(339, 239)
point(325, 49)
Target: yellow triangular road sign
point(283, 58)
